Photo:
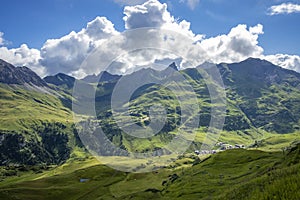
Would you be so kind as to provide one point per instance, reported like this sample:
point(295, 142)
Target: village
point(221, 147)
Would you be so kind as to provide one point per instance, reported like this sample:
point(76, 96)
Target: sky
point(52, 36)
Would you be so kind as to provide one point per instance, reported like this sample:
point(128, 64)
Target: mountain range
point(37, 124)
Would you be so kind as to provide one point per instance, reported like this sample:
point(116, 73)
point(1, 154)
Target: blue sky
point(33, 22)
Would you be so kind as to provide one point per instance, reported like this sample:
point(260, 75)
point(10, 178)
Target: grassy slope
point(21, 108)
point(226, 176)
point(233, 174)
point(252, 114)
point(36, 127)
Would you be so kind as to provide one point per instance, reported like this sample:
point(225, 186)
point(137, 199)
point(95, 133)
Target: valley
point(232, 174)
point(42, 155)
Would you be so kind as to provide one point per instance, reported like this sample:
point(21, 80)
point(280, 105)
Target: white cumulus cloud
point(67, 53)
point(240, 43)
point(155, 14)
point(23, 56)
point(284, 60)
point(284, 8)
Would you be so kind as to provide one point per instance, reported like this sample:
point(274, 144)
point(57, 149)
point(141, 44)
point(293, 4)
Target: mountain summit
point(60, 79)
point(101, 77)
point(173, 66)
point(10, 74)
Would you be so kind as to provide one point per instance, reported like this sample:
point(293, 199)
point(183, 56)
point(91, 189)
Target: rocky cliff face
point(10, 74)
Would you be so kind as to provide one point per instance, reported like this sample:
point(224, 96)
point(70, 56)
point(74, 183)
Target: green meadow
point(232, 174)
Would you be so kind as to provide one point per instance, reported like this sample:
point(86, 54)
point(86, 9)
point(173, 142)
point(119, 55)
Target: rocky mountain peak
point(10, 74)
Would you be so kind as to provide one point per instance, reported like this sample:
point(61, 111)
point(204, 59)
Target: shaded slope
point(61, 79)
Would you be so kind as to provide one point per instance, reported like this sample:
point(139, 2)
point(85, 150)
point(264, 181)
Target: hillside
point(261, 99)
point(35, 127)
point(262, 103)
point(267, 95)
point(42, 157)
point(233, 174)
point(61, 80)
